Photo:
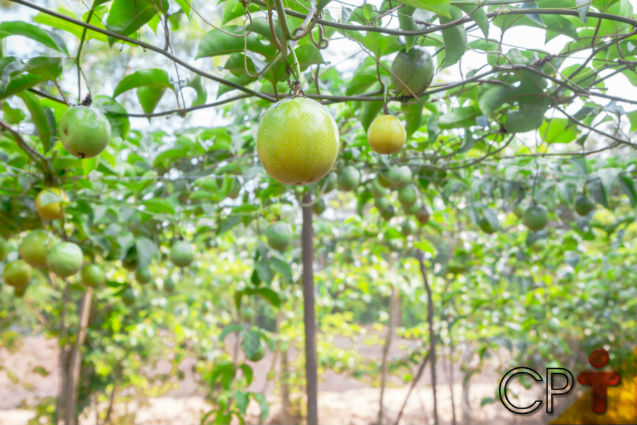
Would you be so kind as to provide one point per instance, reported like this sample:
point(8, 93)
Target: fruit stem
point(285, 30)
point(297, 67)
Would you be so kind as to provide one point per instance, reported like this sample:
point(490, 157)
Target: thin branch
point(78, 56)
point(181, 111)
point(594, 130)
point(436, 28)
point(147, 46)
point(41, 161)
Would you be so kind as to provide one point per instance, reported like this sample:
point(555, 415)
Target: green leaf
point(369, 112)
point(115, 114)
point(242, 399)
point(76, 30)
point(264, 272)
point(556, 24)
point(413, 115)
point(459, 117)
point(217, 43)
point(233, 327)
point(159, 206)
point(479, 16)
point(425, 246)
point(12, 115)
point(185, 6)
point(455, 38)
point(263, 405)
point(556, 130)
point(200, 90)
point(228, 223)
point(20, 83)
point(361, 80)
point(43, 121)
point(597, 191)
point(149, 97)
point(406, 23)
point(33, 32)
point(267, 294)
point(126, 16)
point(283, 267)
point(632, 117)
point(251, 343)
point(628, 186)
point(529, 117)
point(146, 250)
point(48, 68)
point(441, 7)
point(88, 165)
point(148, 77)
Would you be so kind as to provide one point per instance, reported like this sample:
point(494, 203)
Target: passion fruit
point(319, 207)
point(397, 176)
point(17, 273)
point(386, 134)
point(93, 276)
point(584, 204)
point(143, 275)
point(408, 195)
point(536, 217)
point(377, 188)
point(129, 296)
point(279, 235)
point(407, 228)
point(422, 215)
point(329, 182)
point(485, 225)
point(35, 246)
point(182, 254)
point(297, 141)
point(169, 285)
point(412, 71)
point(84, 131)
point(65, 259)
point(49, 203)
point(385, 208)
point(349, 178)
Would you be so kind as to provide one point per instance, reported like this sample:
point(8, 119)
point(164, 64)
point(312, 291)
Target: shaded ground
point(31, 373)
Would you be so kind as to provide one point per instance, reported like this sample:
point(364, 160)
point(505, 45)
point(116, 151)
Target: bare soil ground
point(31, 373)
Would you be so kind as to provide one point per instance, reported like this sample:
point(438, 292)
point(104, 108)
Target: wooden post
point(309, 315)
point(73, 377)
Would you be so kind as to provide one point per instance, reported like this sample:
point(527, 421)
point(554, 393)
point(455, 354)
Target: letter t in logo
point(598, 381)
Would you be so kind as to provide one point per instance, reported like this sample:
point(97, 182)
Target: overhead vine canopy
point(531, 113)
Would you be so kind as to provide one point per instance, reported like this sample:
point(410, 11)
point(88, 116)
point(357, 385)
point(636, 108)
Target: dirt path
point(31, 373)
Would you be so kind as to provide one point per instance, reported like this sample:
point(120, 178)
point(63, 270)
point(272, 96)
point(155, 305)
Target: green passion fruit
point(65, 259)
point(584, 204)
point(349, 178)
point(35, 246)
point(536, 217)
point(279, 235)
point(17, 273)
point(297, 141)
point(93, 276)
point(412, 71)
point(84, 131)
point(182, 254)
